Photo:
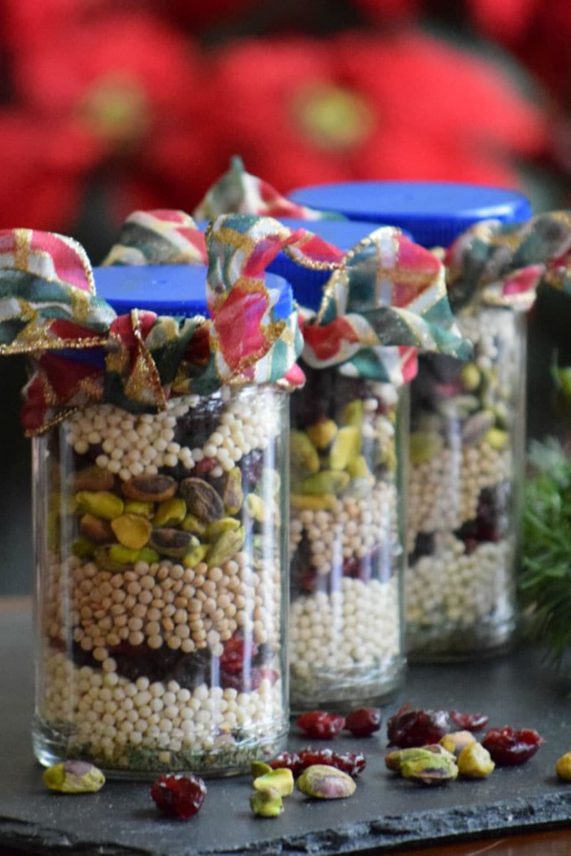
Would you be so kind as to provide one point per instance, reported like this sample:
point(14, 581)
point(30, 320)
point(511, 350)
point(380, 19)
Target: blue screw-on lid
point(169, 289)
point(435, 212)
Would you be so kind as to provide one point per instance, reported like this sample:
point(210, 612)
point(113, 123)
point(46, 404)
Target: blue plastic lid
point(169, 289)
point(434, 212)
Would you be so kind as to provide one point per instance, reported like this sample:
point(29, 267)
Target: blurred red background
point(110, 106)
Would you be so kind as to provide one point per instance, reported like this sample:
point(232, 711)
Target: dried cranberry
point(232, 658)
point(201, 468)
point(263, 673)
point(509, 746)
point(289, 760)
point(351, 763)
point(320, 724)
point(179, 796)
point(410, 727)
point(363, 721)
point(469, 721)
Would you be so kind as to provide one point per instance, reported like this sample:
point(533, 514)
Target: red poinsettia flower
point(135, 86)
point(389, 11)
point(403, 106)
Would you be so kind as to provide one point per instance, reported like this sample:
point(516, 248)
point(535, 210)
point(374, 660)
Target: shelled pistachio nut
point(150, 488)
point(322, 433)
point(74, 777)
point(563, 767)
point(424, 445)
point(429, 768)
point(345, 448)
point(475, 762)
point(142, 509)
point(132, 530)
point(225, 547)
point(91, 479)
point(192, 524)
point(259, 768)
point(280, 780)
point(232, 493)
point(326, 502)
point(353, 413)
point(195, 556)
point(256, 508)
point(266, 803)
point(326, 783)
point(303, 454)
point(96, 529)
point(456, 741)
point(174, 543)
point(217, 527)
point(397, 757)
point(202, 500)
point(325, 482)
point(100, 503)
point(171, 512)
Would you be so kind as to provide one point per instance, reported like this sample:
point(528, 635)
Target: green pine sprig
point(545, 582)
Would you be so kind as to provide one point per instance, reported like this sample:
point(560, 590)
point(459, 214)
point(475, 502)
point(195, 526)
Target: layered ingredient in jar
point(345, 626)
point(162, 605)
point(466, 437)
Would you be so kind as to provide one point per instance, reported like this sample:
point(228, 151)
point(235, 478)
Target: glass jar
point(346, 628)
point(466, 463)
point(160, 546)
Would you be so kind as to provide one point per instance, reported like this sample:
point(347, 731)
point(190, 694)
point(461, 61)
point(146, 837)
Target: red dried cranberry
point(289, 760)
point(469, 721)
point(351, 763)
point(320, 724)
point(204, 466)
point(363, 721)
point(232, 658)
point(179, 796)
point(262, 673)
point(509, 746)
point(410, 727)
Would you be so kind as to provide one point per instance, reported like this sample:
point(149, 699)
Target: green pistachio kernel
point(259, 768)
point(171, 512)
point(232, 494)
point(256, 507)
point(470, 377)
point(563, 767)
point(396, 758)
point(131, 530)
point(137, 506)
point(217, 527)
point(327, 502)
point(424, 445)
point(322, 433)
point(353, 413)
point(123, 555)
point(195, 556)
point(456, 741)
point(148, 555)
point(497, 439)
point(325, 783)
point(101, 503)
point(280, 780)
point(475, 762)
point(429, 768)
point(74, 777)
point(303, 454)
point(325, 482)
point(358, 468)
point(192, 524)
point(346, 447)
point(266, 803)
point(82, 548)
point(225, 547)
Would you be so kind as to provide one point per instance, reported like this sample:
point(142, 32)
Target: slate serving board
point(386, 811)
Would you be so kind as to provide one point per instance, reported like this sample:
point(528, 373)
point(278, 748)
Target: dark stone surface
point(385, 812)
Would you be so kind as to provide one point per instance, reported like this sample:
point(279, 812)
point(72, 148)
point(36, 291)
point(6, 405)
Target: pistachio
point(322, 433)
point(131, 530)
point(475, 762)
point(225, 547)
point(171, 512)
point(303, 454)
point(96, 529)
point(327, 481)
point(470, 377)
point(195, 556)
point(395, 759)
point(358, 468)
point(143, 509)
point(148, 555)
point(115, 557)
point(476, 426)
point(256, 508)
point(191, 523)
point(153, 488)
point(201, 499)
point(424, 445)
point(353, 413)
point(259, 768)
point(92, 479)
point(232, 493)
point(280, 780)
point(174, 543)
point(346, 447)
point(563, 767)
point(83, 548)
point(217, 527)
point(100, 503)
point(497, 439)
point(326, 502)
point(325, 783)
point(74, 777)
point(266, 803)
point(429, 768)
point(456, 741)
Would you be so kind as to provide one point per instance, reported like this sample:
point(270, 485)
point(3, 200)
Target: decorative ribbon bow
point(84, 353)
point(381, 302)
point(503, 264)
